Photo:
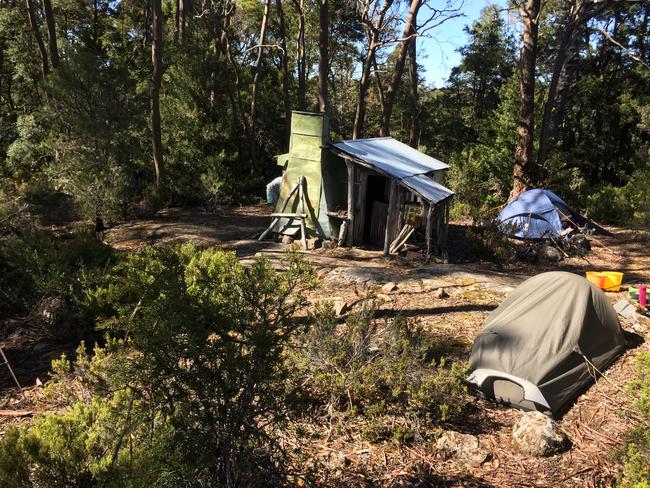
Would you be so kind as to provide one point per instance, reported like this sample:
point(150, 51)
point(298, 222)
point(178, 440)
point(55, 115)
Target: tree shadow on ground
point(418, 312)
point(429, 480)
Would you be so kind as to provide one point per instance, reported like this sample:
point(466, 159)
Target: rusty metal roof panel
point(391, 156)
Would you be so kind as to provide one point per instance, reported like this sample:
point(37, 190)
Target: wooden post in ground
point(361, 217)
point(438, 230)
point(301, 195)
point(445, 254)
point(391, 219)
point(350, 238)
point(429, 232)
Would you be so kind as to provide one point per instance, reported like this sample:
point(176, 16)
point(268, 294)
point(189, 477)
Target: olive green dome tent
point(538, 348)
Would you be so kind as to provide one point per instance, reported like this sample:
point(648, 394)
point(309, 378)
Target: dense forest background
point(208, 372)
point(122, 107)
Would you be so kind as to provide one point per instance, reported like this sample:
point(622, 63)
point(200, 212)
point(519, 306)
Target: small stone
point(388, 287)
point(340, 307)
point(328, 244)
point(549, 253)
point(441, 293)
point(314, 243)
point(463, 447)
point(287, 240)
point(537, 435)
point(39, 382)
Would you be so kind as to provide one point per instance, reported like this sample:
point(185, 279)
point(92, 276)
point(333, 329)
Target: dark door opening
point(374, 225)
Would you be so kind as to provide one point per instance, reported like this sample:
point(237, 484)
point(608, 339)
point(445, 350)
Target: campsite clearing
point(333, 444)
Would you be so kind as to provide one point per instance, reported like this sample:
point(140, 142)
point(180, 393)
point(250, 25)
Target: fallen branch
point(16, 413)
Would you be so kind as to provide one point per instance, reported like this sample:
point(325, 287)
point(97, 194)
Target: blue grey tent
point(538, 214)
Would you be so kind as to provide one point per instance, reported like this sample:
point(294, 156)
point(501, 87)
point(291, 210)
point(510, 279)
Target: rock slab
point(465, 448)
point(537, 435)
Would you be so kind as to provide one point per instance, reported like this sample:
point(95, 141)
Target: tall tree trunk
point(581, 12)
point(414, 126)
point(396, 79)
point(374, 30)
point(37, 35)
point(51, 33)
point(237, 82)
point(364, 83)
point(285, 72)
point(380, 87)
point(323, 48)
point(523, 171)
point(256, 79)
point(301, 55)
point(156, 80)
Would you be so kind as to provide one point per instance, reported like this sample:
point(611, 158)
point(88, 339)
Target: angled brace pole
point(277, 219)
point(6, 361)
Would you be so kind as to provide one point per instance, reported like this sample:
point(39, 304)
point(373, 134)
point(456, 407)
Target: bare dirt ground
point(595, 424)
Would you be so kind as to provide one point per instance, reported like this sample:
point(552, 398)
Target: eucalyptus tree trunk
point(323, 48)
point(374, 31)
point(581, 12)
point(414, 105)
point(391, 92)
point(156, 80)
point(256, 80)
point(523, 170)
point(285, 71)
point(37, 36)
point(301, 55)
point(51, 33)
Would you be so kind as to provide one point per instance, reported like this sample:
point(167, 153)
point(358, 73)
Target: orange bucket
point(596, 278)
point(613, 280)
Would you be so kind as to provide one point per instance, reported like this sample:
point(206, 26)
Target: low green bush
point(635, 456)
point(191, 390)
point(622, 205)
point(372, 368)
point(37, 266)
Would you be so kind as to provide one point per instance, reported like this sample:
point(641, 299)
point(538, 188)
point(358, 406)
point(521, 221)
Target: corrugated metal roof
point(427, 188)
point(400, 161)
point(391, 156)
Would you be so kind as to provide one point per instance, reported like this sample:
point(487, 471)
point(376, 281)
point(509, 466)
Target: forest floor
point(595, 424)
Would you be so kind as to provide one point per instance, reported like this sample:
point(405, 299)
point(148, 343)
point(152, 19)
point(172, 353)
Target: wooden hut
point(374, 192)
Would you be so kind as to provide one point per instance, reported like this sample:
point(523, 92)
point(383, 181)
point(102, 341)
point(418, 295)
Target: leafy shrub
point(635, 455)
point(207, 338)
point(490, 243)
point(36, 264)
point(372, 368)
point(628, 204)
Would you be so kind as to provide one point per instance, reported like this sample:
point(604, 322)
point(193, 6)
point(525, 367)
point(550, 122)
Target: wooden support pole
point(11, 371)
point(350, 237)
point(301, 195)
point(392, 216)
point(361, 217)
point(429, 230)
point(445, 254)
point(290, 215)
point(343, 233)
point(401, 196)
point(438, 230)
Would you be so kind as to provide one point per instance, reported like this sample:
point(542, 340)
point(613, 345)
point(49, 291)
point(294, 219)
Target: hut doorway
point(374, 225)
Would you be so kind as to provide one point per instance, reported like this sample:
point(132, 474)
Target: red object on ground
point(643, 295)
